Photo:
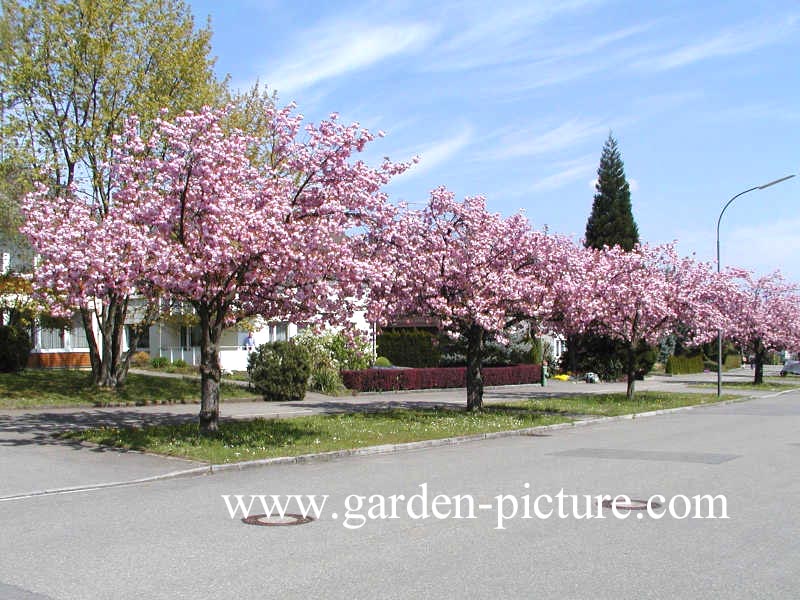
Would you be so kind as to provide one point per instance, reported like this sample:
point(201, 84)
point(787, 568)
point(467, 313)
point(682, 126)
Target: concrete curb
point(112, 484)
point(374, 450)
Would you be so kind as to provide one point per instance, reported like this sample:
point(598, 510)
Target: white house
point(182, 342)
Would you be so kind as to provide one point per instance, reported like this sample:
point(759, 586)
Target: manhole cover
point(631, 504)
point(277, 520)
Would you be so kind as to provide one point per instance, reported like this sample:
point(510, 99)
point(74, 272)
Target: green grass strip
point(40, 388)
point(610, 405)
point(266, 438)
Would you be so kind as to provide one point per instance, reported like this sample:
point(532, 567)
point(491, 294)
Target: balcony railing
point(231, 358)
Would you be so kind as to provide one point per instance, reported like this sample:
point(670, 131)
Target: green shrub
point(410, 348)
point(180, 363)
point(159, 362)
point(382, 361)
point(15, 347)
point(349, 354)
point(280, 371)
point(733, 361)
point(329, 353)
point(140, 359)
point(682, 365)
point(645, 359)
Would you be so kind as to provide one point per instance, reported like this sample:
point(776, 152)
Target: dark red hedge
point(384, 380)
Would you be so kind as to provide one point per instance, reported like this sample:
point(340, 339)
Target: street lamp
point(724, 208)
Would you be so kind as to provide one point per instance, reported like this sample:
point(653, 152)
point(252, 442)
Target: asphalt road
point(175, 538)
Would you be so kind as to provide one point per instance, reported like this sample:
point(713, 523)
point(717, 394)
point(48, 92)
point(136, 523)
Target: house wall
point(59, 349)
point(59, 360)
point(165, 340)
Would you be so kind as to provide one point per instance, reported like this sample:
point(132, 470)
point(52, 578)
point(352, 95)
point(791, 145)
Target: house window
point(78, 334)
point(190, 336)
point(281, 332)
point(52, 338)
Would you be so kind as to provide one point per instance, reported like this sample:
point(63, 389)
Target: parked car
point(791, 367)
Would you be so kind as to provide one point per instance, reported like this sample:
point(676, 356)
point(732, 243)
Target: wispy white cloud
point(437, 152)
point(568, 172)
point(493, 34)
point(344, 47)
point(508, 23)
point(739, 40)
point(580, 47)
point(537, 143)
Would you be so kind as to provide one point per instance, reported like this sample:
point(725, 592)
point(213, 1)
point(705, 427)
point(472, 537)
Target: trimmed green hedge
point(409, 348)
point(732, 361)
point(682, 365)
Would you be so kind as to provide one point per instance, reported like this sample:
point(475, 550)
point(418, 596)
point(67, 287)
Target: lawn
point(768, 385)
point(610, 405)
point(265, 438)
point(36, 388)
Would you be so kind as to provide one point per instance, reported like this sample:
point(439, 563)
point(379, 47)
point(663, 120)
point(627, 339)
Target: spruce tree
point(611, 222)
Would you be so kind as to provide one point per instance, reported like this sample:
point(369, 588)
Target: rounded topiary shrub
point(382, 361)
point(15, 347)
point(279, 371)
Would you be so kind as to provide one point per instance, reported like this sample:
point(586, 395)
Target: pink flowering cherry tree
point(91, 261)
point(235, 239)
point(636, 296)
point(475, 271)
point(762, 315)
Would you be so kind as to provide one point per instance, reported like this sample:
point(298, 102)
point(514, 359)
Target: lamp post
point(724, 208)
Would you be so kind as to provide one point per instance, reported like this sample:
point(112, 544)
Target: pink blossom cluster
point(639, 295)
point(466, 266)
point(762, 311)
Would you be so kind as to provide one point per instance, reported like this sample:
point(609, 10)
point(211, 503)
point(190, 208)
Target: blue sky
point(513, 100)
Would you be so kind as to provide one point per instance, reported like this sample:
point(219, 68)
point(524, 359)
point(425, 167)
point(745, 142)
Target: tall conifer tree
point(611, 222)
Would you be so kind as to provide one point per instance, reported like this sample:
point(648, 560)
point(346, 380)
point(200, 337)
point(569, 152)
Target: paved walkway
point(51, 420)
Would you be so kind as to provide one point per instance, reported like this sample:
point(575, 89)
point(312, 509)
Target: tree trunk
point(108, 335)
point(630, 365)
point(760, 356)
point(573, 341)
point(475, 343)
point(94, 350)
point(109, 361)
point(210, 372)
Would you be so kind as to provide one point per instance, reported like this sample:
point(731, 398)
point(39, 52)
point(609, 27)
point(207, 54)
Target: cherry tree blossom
point(235, 239)
point(475, 271)
point(91, 262)
point(762, 315)
point(637, 296)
